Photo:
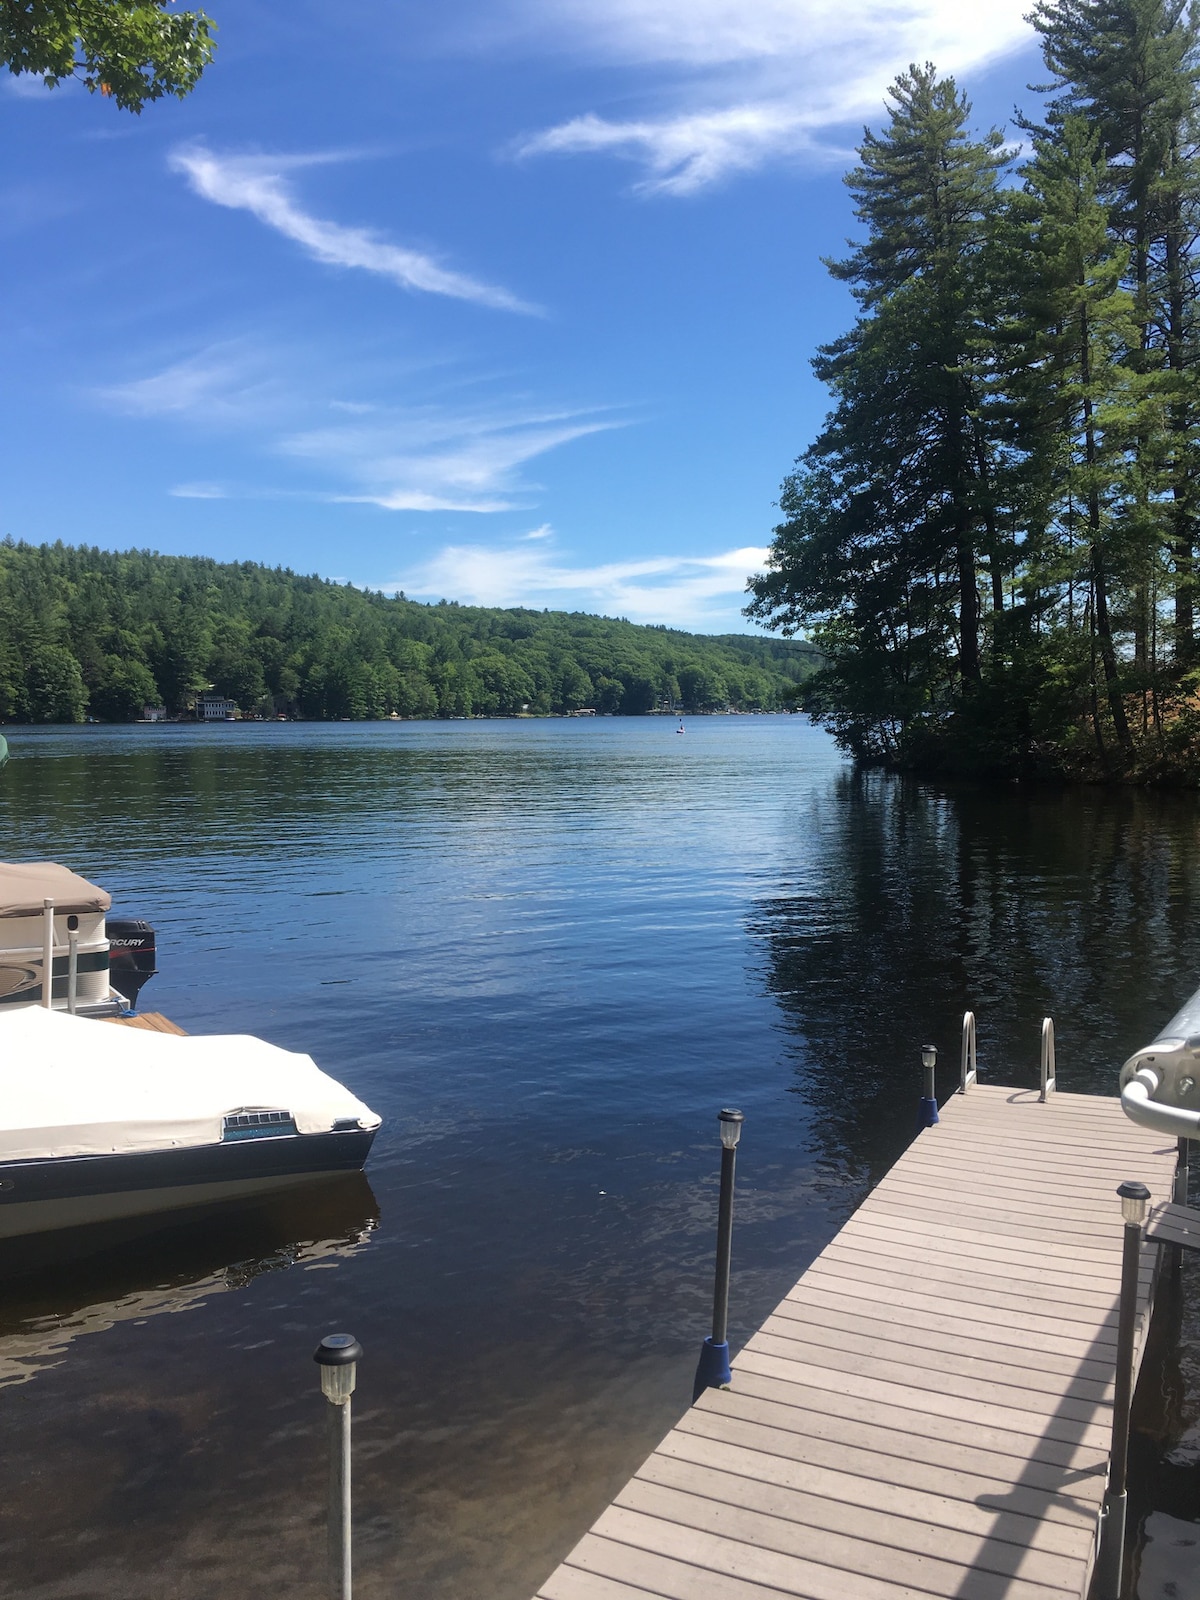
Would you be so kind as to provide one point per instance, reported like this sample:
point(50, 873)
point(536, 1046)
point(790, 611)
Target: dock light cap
point(730, 1124)
point(929, 1055)
point(338, 1355)
point(1135, 1200)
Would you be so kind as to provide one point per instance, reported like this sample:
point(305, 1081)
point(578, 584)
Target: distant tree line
point(106, 634)
point(994, 539)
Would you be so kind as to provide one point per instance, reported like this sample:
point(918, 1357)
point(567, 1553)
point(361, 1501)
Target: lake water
point(547, 953)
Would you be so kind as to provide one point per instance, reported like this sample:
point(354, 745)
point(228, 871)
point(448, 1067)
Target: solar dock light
point(338, 1355)
point(927, 1109)
point(713, 1370)
point(1135, 1201)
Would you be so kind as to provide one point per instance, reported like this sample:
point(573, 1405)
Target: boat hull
point(69, 1192)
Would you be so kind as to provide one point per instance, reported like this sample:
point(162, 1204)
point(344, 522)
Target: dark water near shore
point(546, 953)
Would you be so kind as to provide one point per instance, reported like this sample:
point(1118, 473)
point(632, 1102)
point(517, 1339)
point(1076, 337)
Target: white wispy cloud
point(199, 491)
point(442, 460)
point(685, 591)
point(227, 383)
point(445, 454)
point(686, 153)
point(258, 184)
point(731, 84)
point(721, 33)
point(28, 86)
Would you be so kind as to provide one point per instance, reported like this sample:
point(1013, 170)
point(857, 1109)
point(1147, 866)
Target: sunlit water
point(546, 953)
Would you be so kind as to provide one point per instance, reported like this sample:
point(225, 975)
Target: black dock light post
point(338, 1355)
point(927, 1111)
point(713, 1369)
point(1135, 1200)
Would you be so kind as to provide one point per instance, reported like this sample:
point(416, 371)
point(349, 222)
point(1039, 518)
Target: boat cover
point(71, 1086)
point(25, 886)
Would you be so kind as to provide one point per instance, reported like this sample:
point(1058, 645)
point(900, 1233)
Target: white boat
point(99, 1121)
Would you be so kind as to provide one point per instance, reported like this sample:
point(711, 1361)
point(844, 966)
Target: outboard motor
point(131, 955)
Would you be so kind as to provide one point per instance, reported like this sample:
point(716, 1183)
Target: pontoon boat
point(100, 1121)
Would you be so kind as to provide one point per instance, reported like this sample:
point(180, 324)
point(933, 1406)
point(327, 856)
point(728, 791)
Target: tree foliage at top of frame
point(131, 51)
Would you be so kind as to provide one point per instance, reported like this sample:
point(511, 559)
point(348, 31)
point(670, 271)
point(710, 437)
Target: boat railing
point(47, 950)
point(48, 954)
point(1160, 1083)
point(72, 970)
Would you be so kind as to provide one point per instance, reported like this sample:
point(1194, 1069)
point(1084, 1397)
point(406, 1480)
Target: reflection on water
point(1014, 903)
point(546, 953)
point(71, 1285)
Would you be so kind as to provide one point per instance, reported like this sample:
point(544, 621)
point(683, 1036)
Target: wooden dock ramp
point(928, 1411)
point(149, 1022)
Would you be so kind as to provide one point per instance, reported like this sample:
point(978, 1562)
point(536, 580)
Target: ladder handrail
point(969, 1068)
point(1048, 1084)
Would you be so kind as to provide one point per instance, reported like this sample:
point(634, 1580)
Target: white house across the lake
point(215, 708)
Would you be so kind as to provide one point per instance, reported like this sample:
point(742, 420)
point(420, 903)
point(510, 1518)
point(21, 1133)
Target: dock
point(149, 1022)
point(928, 1411)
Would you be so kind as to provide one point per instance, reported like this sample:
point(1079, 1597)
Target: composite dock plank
point(824, 1324)
point(826, 1437)
point(1180, 1225)
point(839, 1491)
point(787, 1336)
point(1080, 1257)
point(920, 1303)
point(915, 1519)
point(867, 1550)
point(927, 1412)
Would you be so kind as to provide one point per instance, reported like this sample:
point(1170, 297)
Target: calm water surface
point(546, 953)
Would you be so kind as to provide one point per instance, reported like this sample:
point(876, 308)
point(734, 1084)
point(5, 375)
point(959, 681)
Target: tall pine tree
point(1131, 68)
point(894, 503)
point(1093, 407)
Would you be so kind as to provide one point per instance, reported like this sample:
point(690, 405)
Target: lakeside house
point(216, 708)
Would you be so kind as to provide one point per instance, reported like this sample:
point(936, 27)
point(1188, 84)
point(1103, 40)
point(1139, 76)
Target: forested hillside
point(103, 633)
point(994, 539)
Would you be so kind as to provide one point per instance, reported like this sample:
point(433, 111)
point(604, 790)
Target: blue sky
point(509, 303)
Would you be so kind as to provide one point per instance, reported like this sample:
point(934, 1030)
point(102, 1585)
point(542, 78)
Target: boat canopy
point(25, 886)
point(70, 1086)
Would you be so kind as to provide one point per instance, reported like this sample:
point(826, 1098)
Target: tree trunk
point(1180, 423)
point(968, 609)
point(1103, 626)
point(1108, 654)
point(984, 474)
